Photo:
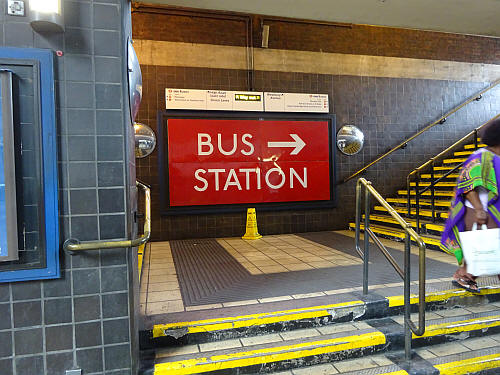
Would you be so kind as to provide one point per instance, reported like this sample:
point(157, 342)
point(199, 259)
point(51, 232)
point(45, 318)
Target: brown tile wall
point(199, 26)
point(387, 110)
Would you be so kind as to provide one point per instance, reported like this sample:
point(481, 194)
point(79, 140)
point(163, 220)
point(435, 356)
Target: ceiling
point(479, 17)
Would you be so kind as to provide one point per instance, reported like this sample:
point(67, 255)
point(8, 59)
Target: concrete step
point(451, 176)
point(439, 184)
point(275, 352)
point(454, 160)
point(343, 307)
point(463, 153)
point(323, 345)
point(422, 202)
point(472, 146)
point(422, 212)
point(438, 193)
point(446, 167)
point(427, 226)
point(377, 364)
point(467, 361)
point(397, 234)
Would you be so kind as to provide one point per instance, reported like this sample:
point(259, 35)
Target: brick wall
point(200, 26)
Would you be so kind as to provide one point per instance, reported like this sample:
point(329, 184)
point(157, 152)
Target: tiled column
point(84, 319)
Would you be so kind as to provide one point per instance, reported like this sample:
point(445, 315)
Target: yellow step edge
point(454, 160)
point(463, 153)
point(440, 203)
point(439, 175)
point(269, 355)
point(436, 227)
point(207, 325)
point(380, 230)
point(460, 326)
point(397, 234)
point(389, 219)
point(442, 295)
point(403, 210)
point(217, 324)
point(470, 365)
point(444, 167)
point(471, 146)
point(439, 184)
point(436, 193)
point(413, 223)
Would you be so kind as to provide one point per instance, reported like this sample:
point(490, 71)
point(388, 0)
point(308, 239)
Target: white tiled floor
point(284, 253)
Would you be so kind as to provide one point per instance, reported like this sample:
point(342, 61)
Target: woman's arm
point(481, 215)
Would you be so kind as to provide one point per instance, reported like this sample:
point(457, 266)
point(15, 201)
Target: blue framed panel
point(45, 202)
point(8, 207)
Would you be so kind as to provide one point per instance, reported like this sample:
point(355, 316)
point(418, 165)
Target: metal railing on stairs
point(428, 167)
point(439, 121)
point(405, 274)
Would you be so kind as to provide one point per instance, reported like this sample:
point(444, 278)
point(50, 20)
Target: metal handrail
point(430, 164)
point(439, 121)
point(73, 245)
point(409, 326)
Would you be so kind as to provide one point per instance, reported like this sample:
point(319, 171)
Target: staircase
point(430, 230)
point(355, 335)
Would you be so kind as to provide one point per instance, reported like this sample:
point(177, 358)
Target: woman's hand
point(481, 216)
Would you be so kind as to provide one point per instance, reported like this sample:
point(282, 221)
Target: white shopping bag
point(481, 250)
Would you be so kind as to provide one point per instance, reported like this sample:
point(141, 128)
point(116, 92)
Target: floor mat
point(208, 274)
point(203, 268)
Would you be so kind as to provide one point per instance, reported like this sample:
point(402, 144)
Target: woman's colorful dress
point(482, 168)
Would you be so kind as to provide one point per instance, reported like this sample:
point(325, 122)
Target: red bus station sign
point(214, 162)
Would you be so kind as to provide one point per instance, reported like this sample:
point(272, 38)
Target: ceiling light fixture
point(46, 16)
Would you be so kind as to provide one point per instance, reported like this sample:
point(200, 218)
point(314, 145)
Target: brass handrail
point(405, 274)
point(73, 245)
point(441, 120)
point(457, 143)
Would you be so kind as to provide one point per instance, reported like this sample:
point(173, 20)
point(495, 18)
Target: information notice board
point(212, 162)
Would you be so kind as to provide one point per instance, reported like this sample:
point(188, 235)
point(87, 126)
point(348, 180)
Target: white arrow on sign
point(298, 144)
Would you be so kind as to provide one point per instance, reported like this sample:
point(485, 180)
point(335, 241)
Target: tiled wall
point(389, 82)
point(83, 319)
point(388, 110)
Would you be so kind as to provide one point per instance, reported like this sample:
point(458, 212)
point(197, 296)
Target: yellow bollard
point(251, 232)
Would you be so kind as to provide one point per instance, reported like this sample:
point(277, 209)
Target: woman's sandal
point(467, 285)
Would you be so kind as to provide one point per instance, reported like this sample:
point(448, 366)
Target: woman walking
point(476, 200)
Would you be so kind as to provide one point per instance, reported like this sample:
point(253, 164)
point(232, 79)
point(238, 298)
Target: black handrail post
point(407, 280)
point(432, 193)
point(358, 217)
point(475, 140)
point(366, 256)
point(408, 195)
point(417, 201)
